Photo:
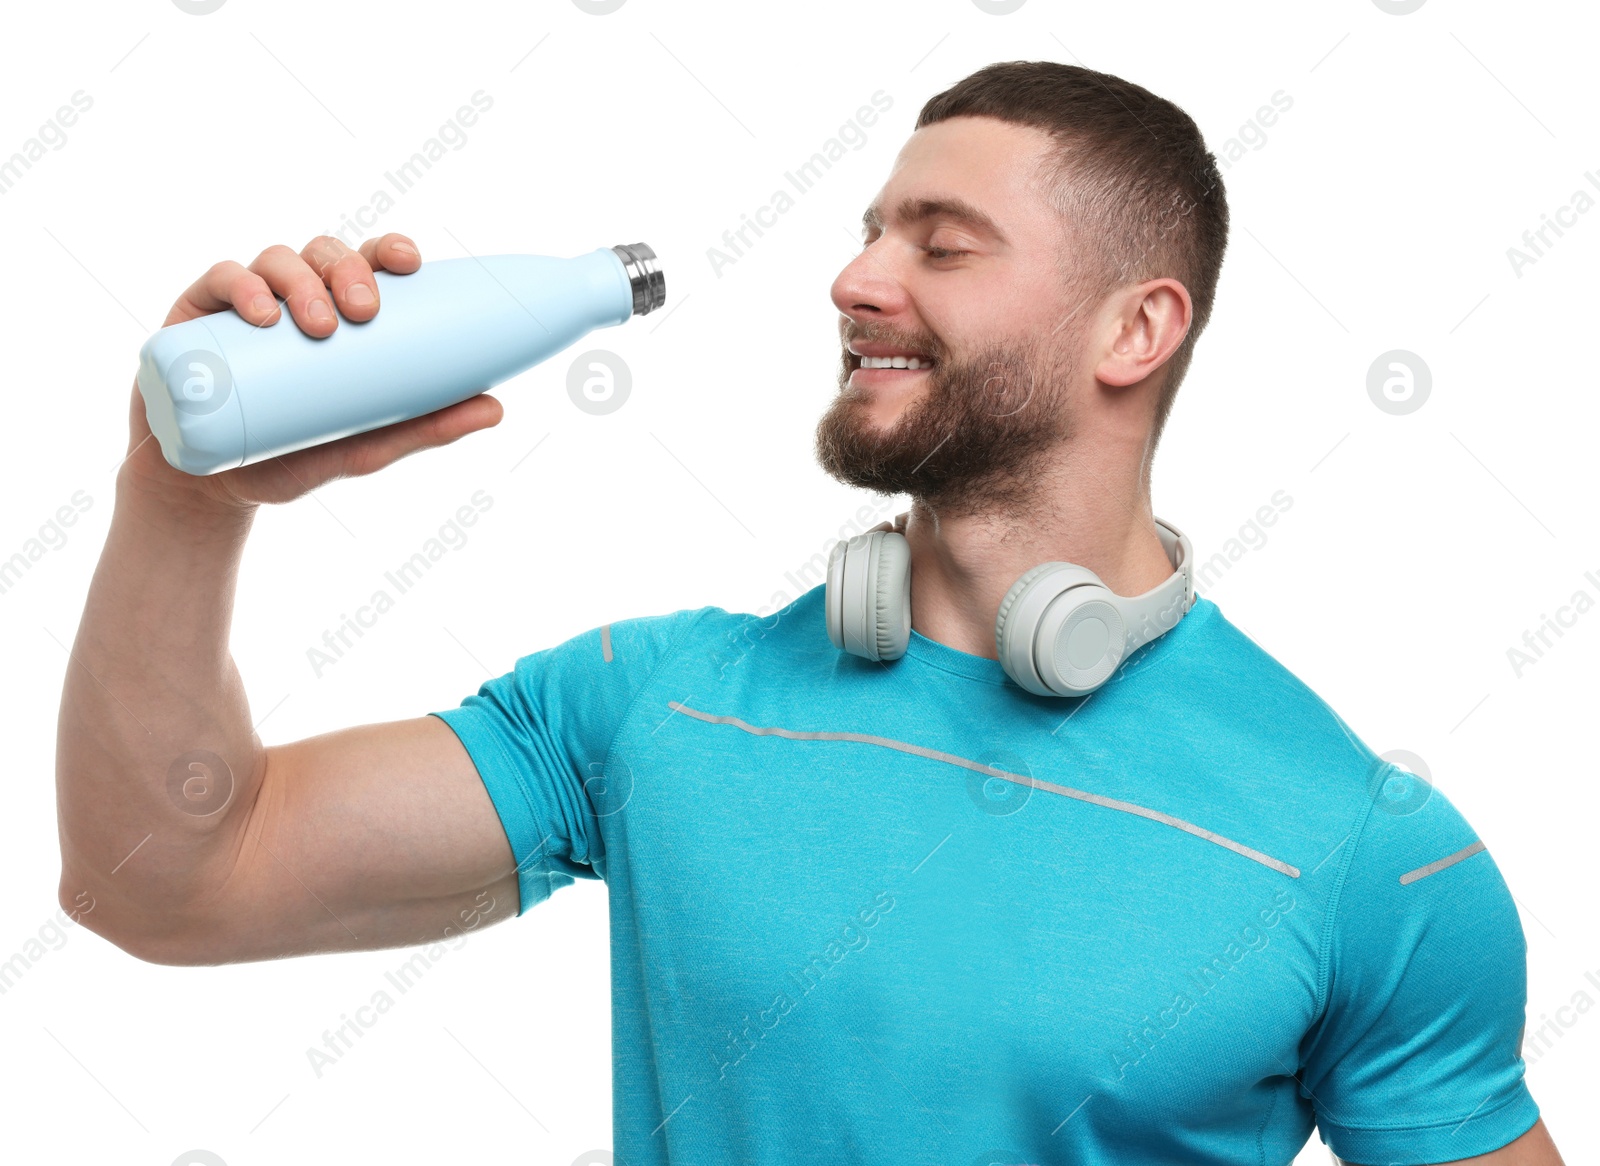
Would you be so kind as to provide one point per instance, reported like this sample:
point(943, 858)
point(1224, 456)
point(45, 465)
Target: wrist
point(164, 496)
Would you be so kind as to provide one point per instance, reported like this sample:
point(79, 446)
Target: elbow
point(80, 906)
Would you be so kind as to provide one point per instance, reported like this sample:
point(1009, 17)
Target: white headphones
point(1060, 631)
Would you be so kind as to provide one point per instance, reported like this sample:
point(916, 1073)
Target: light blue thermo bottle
point(220, 392)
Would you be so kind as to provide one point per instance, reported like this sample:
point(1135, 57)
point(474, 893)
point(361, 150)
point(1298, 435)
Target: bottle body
point(221, 392)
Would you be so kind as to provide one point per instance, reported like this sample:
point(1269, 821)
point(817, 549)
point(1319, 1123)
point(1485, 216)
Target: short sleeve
point(1416, 1057)
point(541, 734)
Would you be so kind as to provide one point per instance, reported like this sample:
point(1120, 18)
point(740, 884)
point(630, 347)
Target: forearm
point(147, 826)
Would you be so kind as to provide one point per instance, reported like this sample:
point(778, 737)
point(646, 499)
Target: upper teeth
point(895, 362)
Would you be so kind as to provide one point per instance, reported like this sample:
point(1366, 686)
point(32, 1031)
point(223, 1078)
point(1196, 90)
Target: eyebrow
point(915, 210)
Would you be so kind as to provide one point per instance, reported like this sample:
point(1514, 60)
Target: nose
point(868, 287)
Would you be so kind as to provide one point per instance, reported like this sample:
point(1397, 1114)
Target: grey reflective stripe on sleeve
point(605, 642)
point(1021, 779)
point(1423, 872)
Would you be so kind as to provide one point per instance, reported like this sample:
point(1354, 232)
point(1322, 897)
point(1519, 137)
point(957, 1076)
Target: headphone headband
point(1159, 609)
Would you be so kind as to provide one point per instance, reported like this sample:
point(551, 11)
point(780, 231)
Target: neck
point(1094, 512)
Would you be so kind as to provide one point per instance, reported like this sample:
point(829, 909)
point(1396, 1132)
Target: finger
point(392, 252)
point(226, 285)
point(366, 453)
point(289, 276)
point(346, 274)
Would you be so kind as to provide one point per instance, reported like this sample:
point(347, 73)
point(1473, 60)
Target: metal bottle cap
point(644, 276)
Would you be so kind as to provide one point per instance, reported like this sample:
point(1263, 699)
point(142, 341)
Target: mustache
point(907, 340)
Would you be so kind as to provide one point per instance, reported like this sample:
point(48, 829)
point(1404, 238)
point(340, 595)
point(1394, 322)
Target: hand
point(324, 274)
point(897, 524)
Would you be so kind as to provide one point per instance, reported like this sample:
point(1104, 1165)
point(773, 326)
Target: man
point(865, 911)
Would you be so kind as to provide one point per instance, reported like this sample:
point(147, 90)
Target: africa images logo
point(199, 381)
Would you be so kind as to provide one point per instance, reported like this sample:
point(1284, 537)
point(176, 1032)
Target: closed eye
point(943, 252)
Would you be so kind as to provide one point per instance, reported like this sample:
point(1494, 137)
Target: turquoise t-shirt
point(909, 912)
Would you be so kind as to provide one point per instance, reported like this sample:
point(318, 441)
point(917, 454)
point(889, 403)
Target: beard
point(975, 442)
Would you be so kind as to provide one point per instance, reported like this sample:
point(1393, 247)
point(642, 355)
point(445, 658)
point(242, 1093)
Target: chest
point(857, 899)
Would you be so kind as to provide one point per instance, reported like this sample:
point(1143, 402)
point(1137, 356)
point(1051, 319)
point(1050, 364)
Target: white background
point(1375, 215)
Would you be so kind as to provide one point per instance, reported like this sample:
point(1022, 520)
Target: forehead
point(961, 166)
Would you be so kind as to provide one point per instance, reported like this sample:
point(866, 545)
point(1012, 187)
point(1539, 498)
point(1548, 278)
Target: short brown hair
point(1131, 175)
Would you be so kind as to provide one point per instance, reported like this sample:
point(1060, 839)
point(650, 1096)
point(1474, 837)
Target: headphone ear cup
point(867, 598)
point(1059, 631)
point(892, 595)
point(1009, 601)
point(833, 593)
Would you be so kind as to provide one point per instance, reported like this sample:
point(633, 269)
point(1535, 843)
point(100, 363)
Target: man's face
point(984, 301)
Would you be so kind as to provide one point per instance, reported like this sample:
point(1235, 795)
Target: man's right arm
point(194, 842)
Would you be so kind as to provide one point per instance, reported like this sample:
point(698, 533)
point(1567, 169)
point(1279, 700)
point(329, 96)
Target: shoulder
point(708, 640)
point(1403, 858)
point(1271, 746)
point(1248, 710)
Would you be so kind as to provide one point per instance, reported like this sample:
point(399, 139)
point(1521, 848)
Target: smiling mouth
point(909, 362)
point(890, 363)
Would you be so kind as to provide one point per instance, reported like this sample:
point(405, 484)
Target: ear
point(1145, 323)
